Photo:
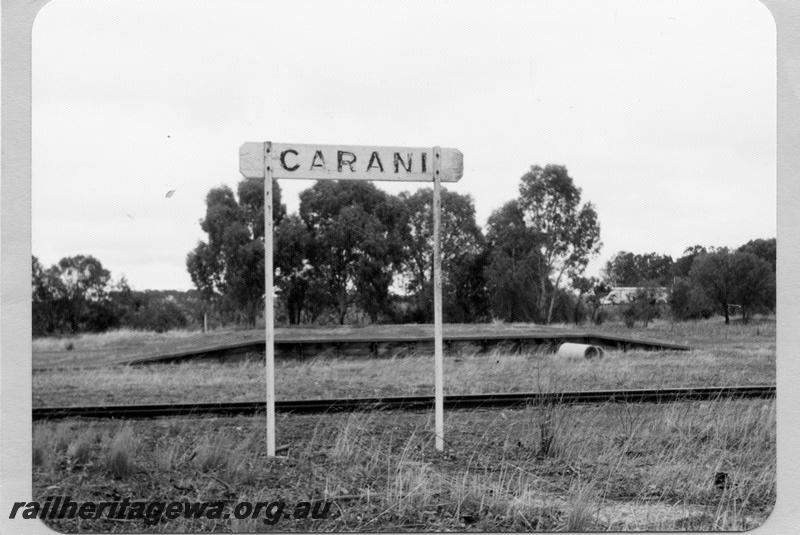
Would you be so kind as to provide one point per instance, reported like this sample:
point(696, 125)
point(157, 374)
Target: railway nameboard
point(349, 162)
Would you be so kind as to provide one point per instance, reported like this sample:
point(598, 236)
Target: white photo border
point(17, 18)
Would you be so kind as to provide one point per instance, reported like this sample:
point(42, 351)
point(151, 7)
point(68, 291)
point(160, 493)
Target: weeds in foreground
point(212, 453)
point(119, 457)
point(582, 500)
point(167, 457)
point(242, 461)
point(642, 467)
point(39, 454)
point(80, 449)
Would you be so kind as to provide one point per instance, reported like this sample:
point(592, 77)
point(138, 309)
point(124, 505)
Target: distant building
point(624, 294)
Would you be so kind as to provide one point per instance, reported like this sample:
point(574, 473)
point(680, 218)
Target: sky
point(662, 111)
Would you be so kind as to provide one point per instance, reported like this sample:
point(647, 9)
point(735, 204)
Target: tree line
point(77, 295)
point(353, 254)
point(704, 281)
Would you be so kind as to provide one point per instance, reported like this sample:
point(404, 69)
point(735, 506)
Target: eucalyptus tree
point(735, 279)
point(512, 274)
point(462, 254)
point(229, 266)
point(567, 232)
point(357, 243)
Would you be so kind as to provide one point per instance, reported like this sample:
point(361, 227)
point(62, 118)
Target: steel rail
point(407, 403)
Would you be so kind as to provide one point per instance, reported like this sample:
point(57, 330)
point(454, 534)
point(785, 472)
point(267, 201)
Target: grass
point(92, 350)
point(736, 354)
point(212, 453)
point(118, 338)
point(580, 514)
point(166, 457)
point(703, 334)
point(119, 456)
point(353, 377)
point(605, 467)
point(611, 467)
point(79, 450)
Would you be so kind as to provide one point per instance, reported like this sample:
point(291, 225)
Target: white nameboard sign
point(349, 162)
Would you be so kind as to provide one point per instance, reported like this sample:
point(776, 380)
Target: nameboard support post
point(438, 351)
point(269, 309)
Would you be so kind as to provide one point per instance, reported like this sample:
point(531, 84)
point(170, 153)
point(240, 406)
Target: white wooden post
point(269, 311)
point(438, 356)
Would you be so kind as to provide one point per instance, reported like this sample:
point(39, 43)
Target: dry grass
point(92, 350)
point(212, 453)
point(79, 450)
point(581, 510)
point(52, 442)
point(40, 451)
point(166, 457)
point(606, 467)
point(118, 338)
point(119, 456)
point(359, 377)
point(710, 333)
point(618, 467)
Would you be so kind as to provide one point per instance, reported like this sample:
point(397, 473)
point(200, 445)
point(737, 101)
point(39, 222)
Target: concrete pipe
point(580, 350)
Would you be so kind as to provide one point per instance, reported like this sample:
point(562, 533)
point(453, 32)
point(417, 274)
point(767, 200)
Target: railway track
point(471, 401)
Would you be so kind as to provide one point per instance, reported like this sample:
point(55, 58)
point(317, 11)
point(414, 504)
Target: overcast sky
point(662, 111)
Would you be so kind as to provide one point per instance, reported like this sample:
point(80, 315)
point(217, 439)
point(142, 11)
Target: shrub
point(642, 306)
point(38, 455)
point(735, 278)
point(645, 305)
point(212, 454)
point(60, 437)
point(119, 457)
point(166, 457)
point(687, 301)
point(80, 449)
point(599, 316)
point(629, 315)
point(582, 499)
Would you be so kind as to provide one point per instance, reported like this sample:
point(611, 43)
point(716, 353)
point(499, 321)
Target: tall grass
point(705, 333)
point(470, 373)
point(608, 467)
point(167, 457)
point(80, 449)
point(712, 327)
point(582, 507)
point(60, 439)
point(670, 457)
point(115, 338)
point(614, 466)
point(212, 453)
point(119, 456)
